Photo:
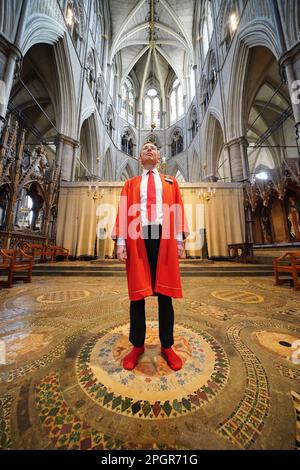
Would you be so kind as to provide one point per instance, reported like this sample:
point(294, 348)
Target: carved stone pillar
point(65, 156)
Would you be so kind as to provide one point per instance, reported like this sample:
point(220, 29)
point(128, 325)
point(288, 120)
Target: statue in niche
point(265, 224)
point(293, 216)
point(4, 200)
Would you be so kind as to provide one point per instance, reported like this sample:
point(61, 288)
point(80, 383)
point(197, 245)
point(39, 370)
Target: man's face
point(149, 155)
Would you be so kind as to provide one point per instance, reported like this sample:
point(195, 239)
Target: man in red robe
point(150, 230)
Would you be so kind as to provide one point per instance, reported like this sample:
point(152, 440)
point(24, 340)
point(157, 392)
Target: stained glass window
point(148, 106)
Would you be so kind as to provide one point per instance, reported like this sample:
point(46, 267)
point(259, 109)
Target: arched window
point(127, 143)
point(192, 83)
point(176, 102)
point(127, 102)
point(177, 143)
point(97, 26)
point(156, 111)
point(75, 21)
point(230, 22)
point(206, 27)
point(152, 109)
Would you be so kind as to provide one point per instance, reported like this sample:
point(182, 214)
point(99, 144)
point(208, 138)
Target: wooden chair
point(241, 252)
point(287, 263)
point(15, 261)
point(49, 250)
point(60, 251)
point(35, 250)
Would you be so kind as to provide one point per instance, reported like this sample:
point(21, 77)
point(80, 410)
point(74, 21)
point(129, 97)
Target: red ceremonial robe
point(167, 280)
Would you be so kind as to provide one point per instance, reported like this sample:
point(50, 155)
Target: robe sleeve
point(181, 221)
point(120, 228)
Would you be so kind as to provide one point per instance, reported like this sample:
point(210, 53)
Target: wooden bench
point(15, 261)
point(287, 263)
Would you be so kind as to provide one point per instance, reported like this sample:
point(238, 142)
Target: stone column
point(10, 55)
point(66, 155)
point(290, 64)
point(226, 150)
point(8, 60)
point(237, 150)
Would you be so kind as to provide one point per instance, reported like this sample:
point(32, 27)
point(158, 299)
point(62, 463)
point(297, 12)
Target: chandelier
point(95, 194)
point(205, 195)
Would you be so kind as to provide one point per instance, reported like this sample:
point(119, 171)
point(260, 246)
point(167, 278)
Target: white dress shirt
point(143, 195)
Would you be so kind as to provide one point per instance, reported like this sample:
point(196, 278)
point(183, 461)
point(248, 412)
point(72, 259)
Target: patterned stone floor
point(62, 386)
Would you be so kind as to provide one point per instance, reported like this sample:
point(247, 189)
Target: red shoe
point(130, 361)
point(173, 360)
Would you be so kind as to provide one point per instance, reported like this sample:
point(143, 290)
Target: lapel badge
point(168, 180)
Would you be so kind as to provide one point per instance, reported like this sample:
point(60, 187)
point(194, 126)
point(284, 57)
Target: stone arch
point(256, 33)
point(176, 141)
point(213, 145)
point(52, 33)
point(108, 167)
point(40, 31)
point(89, 142)
point(195, 168)
point(175, 167)
point(126, 171)
point(128, 141)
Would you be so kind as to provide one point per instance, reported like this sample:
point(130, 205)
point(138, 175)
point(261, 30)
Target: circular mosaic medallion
point(152, 390)
point(63, 296)
point(237, 296)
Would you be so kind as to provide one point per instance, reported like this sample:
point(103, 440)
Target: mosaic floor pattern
point(152, 390)
point(62, 385)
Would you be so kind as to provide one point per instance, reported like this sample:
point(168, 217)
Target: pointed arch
point(40, 31)
point(195, 168)
point(256, 33)
point(126, 171)
point(108, 168)
point(213, 144)
point(174, 166)
point(176, 141)
point(89, 142)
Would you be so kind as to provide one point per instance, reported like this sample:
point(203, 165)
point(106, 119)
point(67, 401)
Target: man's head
point(149, 156)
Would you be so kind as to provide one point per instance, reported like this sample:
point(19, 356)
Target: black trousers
point(152, 234)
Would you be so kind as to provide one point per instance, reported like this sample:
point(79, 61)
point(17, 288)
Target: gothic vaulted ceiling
point(152, 37)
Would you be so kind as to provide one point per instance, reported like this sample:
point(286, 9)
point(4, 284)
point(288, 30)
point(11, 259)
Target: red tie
point(151, 198)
